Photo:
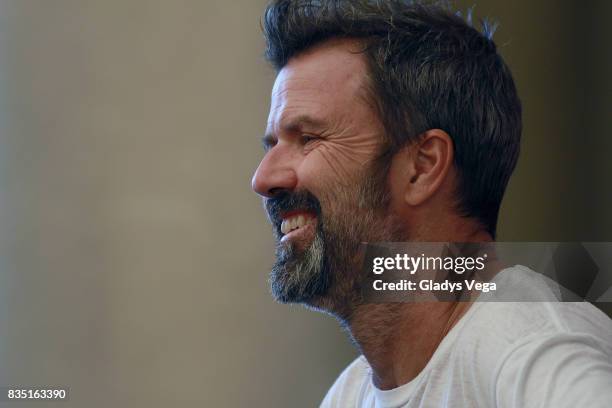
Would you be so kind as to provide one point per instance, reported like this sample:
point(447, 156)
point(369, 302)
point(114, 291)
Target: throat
point(399, 339)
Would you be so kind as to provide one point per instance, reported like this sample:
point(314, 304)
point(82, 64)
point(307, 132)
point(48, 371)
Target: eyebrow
point(293, 125)
point(299, 122)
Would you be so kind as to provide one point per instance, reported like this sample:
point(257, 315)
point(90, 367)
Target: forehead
point(325, 80)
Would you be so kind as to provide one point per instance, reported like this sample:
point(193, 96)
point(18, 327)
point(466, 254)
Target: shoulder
point(564, 368)
point(501, 342)
point(504, 328)
point(527, 302)
point(494, 330)
point(522, 350)
point(350, 387)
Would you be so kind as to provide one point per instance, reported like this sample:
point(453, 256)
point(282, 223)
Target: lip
point(293, 213)
point(301, 236)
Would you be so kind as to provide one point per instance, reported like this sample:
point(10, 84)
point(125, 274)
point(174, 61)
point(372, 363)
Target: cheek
point(339, 162)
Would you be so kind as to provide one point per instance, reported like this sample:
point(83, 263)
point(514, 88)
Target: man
point(392, 121)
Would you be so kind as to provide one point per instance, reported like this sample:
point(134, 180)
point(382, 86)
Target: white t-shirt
point(503, 354)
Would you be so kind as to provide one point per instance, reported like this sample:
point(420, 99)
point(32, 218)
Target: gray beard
point(297, 278)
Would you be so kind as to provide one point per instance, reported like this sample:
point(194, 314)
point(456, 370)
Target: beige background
point(133, 255)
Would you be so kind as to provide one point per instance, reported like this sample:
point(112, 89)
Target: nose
point(274, 174)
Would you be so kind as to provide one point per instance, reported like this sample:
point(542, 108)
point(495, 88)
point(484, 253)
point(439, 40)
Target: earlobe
point(430, 161)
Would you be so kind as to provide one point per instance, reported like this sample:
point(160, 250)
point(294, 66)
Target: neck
point(399, 339)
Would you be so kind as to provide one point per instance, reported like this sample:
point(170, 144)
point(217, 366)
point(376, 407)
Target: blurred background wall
point(133, 255)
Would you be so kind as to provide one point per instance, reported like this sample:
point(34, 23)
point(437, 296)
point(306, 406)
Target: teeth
point(293, 223)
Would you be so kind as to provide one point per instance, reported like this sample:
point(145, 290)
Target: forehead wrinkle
point(296, 111)
point(322, 83)
point(294, 119)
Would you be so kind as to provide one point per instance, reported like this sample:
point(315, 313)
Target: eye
point(268, 142)
point(309, 138)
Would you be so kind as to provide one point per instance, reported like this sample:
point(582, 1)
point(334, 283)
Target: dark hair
point(429, 68)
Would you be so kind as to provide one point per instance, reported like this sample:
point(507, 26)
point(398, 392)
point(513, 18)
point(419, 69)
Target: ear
point(431, 160)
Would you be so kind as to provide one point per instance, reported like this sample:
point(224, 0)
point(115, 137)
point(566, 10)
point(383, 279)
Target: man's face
point(323, 187)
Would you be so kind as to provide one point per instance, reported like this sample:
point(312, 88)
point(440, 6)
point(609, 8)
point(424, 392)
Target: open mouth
point(297, 224)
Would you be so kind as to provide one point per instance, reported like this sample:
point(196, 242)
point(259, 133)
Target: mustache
point(286, 201)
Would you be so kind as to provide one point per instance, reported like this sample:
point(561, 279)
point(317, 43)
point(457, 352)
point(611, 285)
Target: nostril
point(275, 191)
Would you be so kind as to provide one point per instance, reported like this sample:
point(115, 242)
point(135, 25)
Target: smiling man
point(392, 121)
